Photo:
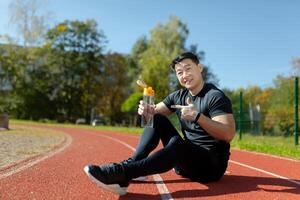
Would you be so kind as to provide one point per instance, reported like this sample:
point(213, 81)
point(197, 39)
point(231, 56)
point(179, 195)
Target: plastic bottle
point(148, 98)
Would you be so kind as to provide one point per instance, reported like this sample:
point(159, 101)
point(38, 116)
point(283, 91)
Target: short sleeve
point(170, 100)
point(219, 104)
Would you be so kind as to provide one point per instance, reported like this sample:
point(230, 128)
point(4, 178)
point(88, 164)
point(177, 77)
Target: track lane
point(242, 182)
point(283, 167)
point(62, 176)
point(238, 183)
point(53, 179)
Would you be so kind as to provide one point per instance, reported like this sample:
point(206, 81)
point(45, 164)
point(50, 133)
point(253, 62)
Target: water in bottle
point(148, 98)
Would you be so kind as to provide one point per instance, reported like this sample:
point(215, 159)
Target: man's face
point(189, 73)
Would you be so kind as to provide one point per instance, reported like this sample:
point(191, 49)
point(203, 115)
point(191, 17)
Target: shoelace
point(114, 168)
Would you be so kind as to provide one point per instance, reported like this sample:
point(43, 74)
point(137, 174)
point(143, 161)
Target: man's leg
point(161, 161)
point(201, 164)
point(162, 129)
point(115, 177)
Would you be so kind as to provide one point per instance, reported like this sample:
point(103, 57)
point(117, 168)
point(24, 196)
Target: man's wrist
point(197, 117)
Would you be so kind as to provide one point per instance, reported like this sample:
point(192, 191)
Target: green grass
point(132, 130)
point(275, 145)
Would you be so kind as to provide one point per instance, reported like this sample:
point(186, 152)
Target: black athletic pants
point(192, 161)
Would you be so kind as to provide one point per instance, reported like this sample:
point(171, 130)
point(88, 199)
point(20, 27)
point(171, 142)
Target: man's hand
point(145, 109)
point(188, 112)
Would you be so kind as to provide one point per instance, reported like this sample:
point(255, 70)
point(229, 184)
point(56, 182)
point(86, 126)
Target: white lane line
point(17, 169)
point(162, 188)
point(266, 172)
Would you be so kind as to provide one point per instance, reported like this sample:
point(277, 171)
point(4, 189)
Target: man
point(207, 125)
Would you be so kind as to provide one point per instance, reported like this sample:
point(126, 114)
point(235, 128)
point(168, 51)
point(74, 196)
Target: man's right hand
point(146, 109)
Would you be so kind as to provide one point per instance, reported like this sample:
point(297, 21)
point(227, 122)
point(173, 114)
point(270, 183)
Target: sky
point(246, 43)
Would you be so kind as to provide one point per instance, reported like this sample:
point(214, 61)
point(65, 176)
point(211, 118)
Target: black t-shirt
point(210, 101)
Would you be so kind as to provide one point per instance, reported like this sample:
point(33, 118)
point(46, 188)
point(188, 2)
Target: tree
point(13, 63)
point(154, 55)
point(28, 20)
point(77, 61)
point(16, 61)
point(140, 46)
point(207, 74)
point(114, 86)
point(280, 110)
point(166, 42)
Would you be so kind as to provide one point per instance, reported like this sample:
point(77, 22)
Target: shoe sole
point(141, 178)
point(115, 188)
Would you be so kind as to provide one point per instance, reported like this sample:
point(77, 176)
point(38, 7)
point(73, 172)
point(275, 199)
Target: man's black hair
point(183, 56)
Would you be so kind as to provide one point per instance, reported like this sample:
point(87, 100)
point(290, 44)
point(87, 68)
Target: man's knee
point(175, 147)
point(160, 120)
point(177, 143)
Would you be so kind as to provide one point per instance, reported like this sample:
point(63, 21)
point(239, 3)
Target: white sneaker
point(99, 175)
point(141, 178)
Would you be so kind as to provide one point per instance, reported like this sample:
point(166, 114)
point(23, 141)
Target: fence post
point(296, 110)
point(240, 115)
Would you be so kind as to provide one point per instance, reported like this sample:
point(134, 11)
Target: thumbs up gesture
point(188, 112)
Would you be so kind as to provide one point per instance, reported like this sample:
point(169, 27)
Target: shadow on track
point(230, 184)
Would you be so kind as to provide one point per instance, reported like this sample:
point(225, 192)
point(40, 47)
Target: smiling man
point(207, 124)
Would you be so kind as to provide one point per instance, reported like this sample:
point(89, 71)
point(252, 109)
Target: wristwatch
point(197, 118)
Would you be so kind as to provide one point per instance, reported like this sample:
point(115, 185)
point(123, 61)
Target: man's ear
point(201, 67)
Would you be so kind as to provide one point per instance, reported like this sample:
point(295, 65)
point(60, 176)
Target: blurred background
point(77, 61)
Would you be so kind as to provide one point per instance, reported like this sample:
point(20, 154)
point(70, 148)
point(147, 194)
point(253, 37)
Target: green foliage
point(13, 65)
point(279, 116)
point(66, 78)
point(140, 46)
point(75, 58)
point(276, 106)
point(77, 36)
point(154, 55)
point(60, 79)
point(69, 77)
point(113, 87)
point(207, 74)
point(234, 96)
point(155, 72)
point(131, 103)
point(283, 93)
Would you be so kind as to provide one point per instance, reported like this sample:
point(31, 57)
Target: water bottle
point(148, 98)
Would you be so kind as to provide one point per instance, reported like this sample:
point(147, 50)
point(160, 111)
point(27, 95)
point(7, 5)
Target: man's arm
point(162, 109)
point(221, 127)
point(159, 108)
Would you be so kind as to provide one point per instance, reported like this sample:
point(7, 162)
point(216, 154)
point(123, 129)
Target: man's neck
point(197, 89)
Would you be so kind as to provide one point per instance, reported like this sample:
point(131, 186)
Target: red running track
point(61, 176)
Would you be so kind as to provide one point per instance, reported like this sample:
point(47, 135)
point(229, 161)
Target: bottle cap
point(148, 91)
